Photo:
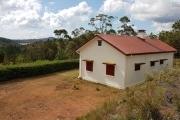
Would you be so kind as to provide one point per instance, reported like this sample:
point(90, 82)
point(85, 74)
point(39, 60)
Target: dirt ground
point(58, 96)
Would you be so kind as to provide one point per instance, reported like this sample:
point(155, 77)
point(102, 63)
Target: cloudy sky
point(38, 18)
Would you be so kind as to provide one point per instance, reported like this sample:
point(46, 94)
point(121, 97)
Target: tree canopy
point(61, 34)
point(126, 28)
point(172, 37)
point(101, 23)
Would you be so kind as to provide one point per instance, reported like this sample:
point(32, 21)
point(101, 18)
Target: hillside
point(29, 41)
point(156, 99)
point(4, 42)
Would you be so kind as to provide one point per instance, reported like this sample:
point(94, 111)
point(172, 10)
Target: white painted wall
point(134, 77)
point(100, 54)
point(125, 75)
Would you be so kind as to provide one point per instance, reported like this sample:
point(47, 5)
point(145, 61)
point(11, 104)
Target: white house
point(122, 61)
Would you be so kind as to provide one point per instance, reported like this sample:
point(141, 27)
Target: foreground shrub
point(37, 68)
point(147, 101)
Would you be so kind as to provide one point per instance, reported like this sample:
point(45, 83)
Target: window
point(162, 61)
point(89, 65)
point(152, 63)
point(110, 69)
point(138, 66)
point(99, 42)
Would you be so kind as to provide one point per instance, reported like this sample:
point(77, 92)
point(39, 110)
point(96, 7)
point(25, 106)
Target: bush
point(37, 68)
point(144, 102)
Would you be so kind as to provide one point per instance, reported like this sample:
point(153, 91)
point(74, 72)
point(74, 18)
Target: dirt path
point(59, 96)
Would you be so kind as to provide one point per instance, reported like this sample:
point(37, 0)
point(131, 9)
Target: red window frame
point(89, 66)
point(110, 69)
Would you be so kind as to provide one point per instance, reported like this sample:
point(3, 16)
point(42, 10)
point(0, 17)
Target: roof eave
point(150, 53)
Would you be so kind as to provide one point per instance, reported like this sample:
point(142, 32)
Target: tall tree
point(111, 31)
point(61, 34)
point(78, 31)
point(126, 27)
point(172, 37)
point(102, 23)
point(176, 26)
point(152, 35)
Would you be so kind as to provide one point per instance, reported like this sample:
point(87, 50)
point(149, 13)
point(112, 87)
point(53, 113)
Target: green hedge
point(37, 68)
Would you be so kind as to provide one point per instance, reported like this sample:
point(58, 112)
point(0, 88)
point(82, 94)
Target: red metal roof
point(130, 45)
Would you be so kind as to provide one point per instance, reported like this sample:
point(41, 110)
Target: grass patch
point(156, 99)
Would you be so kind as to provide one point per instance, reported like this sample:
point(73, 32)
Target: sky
point(24, 19)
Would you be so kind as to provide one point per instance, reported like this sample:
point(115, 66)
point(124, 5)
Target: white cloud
point(29, 19)
point(161, 11)
point(162, 26)
point(68, 17)
point(20, 12)
point(110, 6)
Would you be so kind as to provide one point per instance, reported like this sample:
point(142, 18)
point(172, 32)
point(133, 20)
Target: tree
point(172, 37)
point(78, 31)
point(10, 53)
point(1, 56)
point(126, 28)
point(77, 42)
point(102, 23)
point(152, 35)
point(111, 31)
point(176, 26)
point(61, 34)
point(124, 20)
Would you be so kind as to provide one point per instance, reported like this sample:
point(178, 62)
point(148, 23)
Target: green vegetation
point(172, 37)
point(4, 42)
point(127, 29)
point(102, 23)
point(156, 99)
point(8, 72)
point(8, 50)
point(57, 49)
point(64, 46)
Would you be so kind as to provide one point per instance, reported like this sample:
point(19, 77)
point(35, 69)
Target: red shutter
point(89, 65)
point(110, 69)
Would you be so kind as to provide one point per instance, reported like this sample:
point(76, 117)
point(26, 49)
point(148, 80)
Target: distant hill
point(4, 42)
point(29, 41)
point(12, 42)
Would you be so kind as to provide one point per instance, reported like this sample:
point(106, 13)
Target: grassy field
point(156, 99)
point(58, 96)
